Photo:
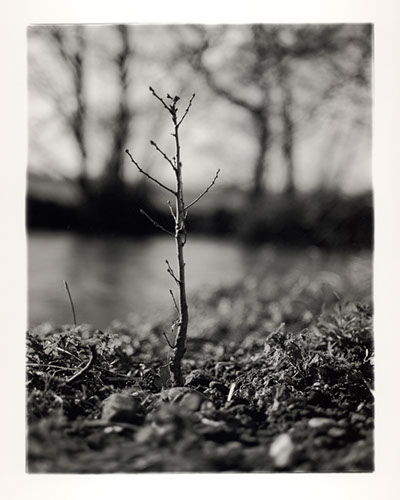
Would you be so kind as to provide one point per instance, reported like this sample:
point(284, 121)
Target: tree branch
point(197, 63)
point(157, 224)
point(174, 301)
point(171, 272)
point(168, 108)
point(187, 110)
point(168, 342)
point(86, 367)
point(148, 175)
point(204, 192)
point(163, 154)
point(172, 211)
point(58, 37)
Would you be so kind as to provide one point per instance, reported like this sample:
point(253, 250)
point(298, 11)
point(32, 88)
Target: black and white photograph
point(200, 233)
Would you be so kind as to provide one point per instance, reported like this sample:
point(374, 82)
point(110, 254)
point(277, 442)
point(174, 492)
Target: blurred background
point(283, 110)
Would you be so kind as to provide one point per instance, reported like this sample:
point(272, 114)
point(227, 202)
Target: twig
point(38, 365)
point(231, 391)
point(171, 272)
point(187, 110)
point(71, 302)
point(148, 175)
point(157, 224)
point(168, 108)
point(174, 300)
point(85, 368)
point(204, 192)
point(163, 154)
point(168, 342)
point(67, 352)
point(172, 211)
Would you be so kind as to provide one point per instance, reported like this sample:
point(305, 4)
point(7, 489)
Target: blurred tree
point(69, 46)
point(279, 73)
point(253, 73)
point(112, 180)
point(62, 82)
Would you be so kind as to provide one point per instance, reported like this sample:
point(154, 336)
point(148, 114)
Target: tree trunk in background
point(113, 182)
point(287, 125)
point(262, 129)
point(75, 61)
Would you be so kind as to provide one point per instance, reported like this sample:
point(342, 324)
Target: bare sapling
point(179, 215)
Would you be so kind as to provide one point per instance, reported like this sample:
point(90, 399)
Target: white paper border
point(15, 482)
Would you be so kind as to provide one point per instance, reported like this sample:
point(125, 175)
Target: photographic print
point(199, 221)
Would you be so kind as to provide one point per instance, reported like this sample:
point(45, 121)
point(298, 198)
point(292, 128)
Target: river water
point(113, 278)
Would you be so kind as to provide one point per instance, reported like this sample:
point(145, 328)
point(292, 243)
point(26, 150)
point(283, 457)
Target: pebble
point(173, 394)
point(122, 408)
point(335, 432)
point(357, 417)
point(318, 422)
point(189, 399)
point(192, 401)
point(281, 451)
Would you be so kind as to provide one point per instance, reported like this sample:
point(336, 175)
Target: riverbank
point(324, 218)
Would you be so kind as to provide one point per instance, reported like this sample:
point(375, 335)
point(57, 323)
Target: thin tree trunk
point(180, 237)
point(262, 128)
point(288, 127)
point(179, 216)
point(78, 119)
point(112, 177)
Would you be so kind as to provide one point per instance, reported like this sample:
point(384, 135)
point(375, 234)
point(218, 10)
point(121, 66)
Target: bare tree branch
point(174, 301)
point(157, 224)
point(168, 342)
point(148, 175)
point(198, 64)
point(172, 211)
point(58, 37)
point(168, 108)
point(171, 272)
point(204, 192)
point(163, 154)
point(187, 110)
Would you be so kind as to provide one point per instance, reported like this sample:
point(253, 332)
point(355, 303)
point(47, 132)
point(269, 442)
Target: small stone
point(357, 417)
point(122, 408)
point(335, 432)
point(192, 400)
point(174, 394)
point(186, 398)
point(319, 422)
point(281, 451)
